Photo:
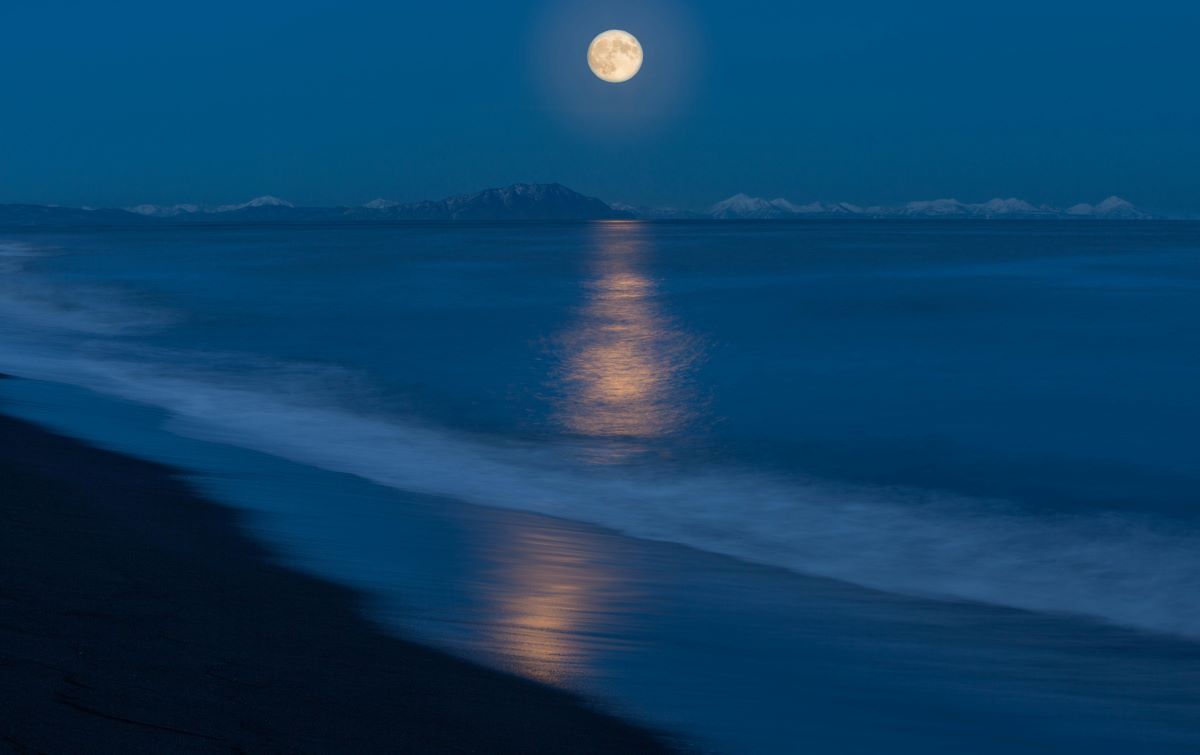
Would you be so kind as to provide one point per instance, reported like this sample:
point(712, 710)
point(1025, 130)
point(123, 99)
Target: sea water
point(775, 486)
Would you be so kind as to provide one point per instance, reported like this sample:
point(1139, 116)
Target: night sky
point(324, 102)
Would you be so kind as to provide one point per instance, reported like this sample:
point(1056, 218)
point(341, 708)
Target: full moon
point(615, 56)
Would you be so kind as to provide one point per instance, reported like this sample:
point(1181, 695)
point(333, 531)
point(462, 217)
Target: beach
point(137, 618)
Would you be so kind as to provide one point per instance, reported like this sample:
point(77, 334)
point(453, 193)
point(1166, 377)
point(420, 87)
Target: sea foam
point(1112, 567)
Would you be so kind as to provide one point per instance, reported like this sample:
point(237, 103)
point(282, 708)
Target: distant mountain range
point(547, 202)
point(516, 202)
point(188, 210)
point(743, 207)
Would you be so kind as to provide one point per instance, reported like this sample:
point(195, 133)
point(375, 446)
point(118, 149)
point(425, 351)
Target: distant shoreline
point(160, 224)
point(555, 202)
point(139, 619)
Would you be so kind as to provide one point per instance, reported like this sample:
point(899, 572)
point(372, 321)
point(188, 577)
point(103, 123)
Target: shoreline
point(139, 618)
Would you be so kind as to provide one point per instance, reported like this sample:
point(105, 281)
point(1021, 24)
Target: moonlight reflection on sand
point(555, 599)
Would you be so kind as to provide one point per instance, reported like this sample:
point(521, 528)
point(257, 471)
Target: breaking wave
point(1112, 567)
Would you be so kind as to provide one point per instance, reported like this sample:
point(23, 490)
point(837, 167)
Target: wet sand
point(137, 618)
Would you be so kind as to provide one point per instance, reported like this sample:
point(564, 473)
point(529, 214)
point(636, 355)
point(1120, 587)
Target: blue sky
point(339, 102)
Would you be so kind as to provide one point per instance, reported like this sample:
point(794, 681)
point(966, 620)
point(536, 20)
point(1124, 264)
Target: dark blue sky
point(326, 102)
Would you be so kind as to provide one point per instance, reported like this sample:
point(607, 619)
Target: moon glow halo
point(615, 56)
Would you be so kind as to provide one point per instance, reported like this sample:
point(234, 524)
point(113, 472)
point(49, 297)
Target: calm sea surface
point(779, 487)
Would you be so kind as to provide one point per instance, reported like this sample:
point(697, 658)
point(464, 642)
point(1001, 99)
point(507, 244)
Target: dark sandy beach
point(136, 618)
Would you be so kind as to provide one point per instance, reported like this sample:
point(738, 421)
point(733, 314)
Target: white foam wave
point(1113, 568)
point(1110, 568)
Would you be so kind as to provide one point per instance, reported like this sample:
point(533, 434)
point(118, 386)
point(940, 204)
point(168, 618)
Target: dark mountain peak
point(527, 202)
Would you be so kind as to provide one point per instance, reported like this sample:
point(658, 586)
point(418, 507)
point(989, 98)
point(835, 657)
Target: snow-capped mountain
point(743, 206)
point(1012, 206)
point(176, 210)
point(168, 211)
point(827, 208)
point(943, 208)
point(264, 201)
point(1113, 208)
point(381, 204)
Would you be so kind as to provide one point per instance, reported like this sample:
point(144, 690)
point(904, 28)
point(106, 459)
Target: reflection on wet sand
point(551, 601)
point(625, 364)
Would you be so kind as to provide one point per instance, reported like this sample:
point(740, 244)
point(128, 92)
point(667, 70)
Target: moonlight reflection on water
point(626, 364)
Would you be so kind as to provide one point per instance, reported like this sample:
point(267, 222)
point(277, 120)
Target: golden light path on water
point(625, 363)
point(621, 383)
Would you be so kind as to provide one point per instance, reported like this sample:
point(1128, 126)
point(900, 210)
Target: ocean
point(777, 486)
